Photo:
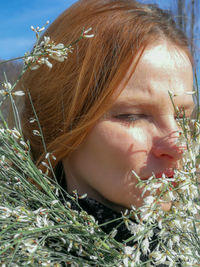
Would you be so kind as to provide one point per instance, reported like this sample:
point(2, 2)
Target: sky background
point(17, 16)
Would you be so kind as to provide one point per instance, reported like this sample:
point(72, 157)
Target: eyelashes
point(130, 117)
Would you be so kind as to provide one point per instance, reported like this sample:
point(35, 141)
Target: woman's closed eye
point(130, 117)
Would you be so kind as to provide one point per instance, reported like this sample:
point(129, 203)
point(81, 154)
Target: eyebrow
point(133, 102)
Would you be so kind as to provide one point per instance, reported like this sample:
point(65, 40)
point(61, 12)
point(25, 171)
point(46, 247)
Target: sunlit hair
point(71, 97)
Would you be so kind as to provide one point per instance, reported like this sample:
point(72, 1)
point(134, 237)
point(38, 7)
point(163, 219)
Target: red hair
point(71, 97)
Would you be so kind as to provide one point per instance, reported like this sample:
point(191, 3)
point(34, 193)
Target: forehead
point(161, 68)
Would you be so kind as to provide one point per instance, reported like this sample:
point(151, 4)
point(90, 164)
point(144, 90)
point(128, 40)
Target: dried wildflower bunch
point(46, 49)
point(171, 210)
point(38, 227)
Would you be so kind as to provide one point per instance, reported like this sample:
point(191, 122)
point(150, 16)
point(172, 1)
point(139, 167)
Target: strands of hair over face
point(71, 97)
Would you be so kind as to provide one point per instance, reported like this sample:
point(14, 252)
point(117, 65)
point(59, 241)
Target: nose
point(165, 143)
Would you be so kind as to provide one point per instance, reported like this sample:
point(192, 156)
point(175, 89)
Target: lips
point(168, 173)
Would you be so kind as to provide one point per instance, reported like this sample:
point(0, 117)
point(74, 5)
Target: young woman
point(106, 110)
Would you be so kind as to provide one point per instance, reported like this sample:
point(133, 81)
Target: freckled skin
point(143, 139)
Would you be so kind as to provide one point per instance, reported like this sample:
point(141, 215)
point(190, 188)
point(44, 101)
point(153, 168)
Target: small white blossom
point(86, 35)
point(129, 250)
point(15, 133)
point(36, 132)
point(126, 262)
point(45, 164)
point(93, 257)
point(113, 233)
point(44, 50)
point(159, 257)
point(170, 243)
point(32, 120)
point(7, 86)
point(39, 29)
point(54, 202)
point(83, 196)
point(145, 246)
point(31, 245)
point(18, 93)
point(149, 200)
point(190, 92)
point(70, 245)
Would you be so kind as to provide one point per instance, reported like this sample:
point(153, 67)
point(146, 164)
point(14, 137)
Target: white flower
point(170, 243)
point(149, 200)
point(5, 212)
point(38, 29)
point(15, 133)
point(86, 35)
point(42, 221)
point(54, 202)
point(159, 257)
point(46, 263)
point(136, 256)
point(190, 92)
point(53, 157)
point(17, 235)
point(83, 196)
point(30, 245)
point(134, 228)
point(176, 239)
point(18, 93)
point(46, 41)
point(129, 250)
point(125, 262)
point(32, 120)
point(160, 225)
point(41, 211)
point(170, 196)
point(47, 155)
point(45, 164)
point(145, 246)
point(36, 132)
point(146, 214)
point(93, 257)
point(23, 218)
point(49, 64)
point(7, 86)
point(34, 67)
point(24, 144)
point(70, 246)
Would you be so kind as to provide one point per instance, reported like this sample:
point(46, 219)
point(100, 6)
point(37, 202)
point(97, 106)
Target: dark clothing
point(103, 215)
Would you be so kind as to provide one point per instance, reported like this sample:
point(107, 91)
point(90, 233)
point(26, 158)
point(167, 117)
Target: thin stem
point(42, 136)
point(12, 59)
point(197, 95)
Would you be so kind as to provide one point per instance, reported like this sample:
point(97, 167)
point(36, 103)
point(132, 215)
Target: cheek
point(122, 143)
point(138, 151)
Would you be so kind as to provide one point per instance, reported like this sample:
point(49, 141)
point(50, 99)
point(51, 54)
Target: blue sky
point(16, 18)
point(18, 15)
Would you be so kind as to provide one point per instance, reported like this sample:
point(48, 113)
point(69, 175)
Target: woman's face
point(137, 133)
